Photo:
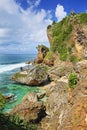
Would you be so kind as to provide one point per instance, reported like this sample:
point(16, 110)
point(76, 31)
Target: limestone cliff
point(65, 107)
point(68, 38)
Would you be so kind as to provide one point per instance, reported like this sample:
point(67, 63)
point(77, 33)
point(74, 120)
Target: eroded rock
point(30, 109)
point(34, 76)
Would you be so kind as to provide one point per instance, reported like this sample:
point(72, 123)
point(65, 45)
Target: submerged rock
point(34, 76)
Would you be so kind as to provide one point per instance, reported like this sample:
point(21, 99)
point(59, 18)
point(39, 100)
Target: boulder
point(31, 97)
point(30, 109)
point(34, 76)
point(41, 95)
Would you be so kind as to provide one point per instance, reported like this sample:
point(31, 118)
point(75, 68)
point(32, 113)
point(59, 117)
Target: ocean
point(9, 64)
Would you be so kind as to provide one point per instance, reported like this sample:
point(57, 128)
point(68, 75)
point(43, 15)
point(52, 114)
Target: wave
point(4, 68)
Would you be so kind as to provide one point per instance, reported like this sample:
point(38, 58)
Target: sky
point(23, 23)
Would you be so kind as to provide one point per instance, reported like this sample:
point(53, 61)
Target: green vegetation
point(72, 80)
point(61, 33)
point(63, 52)
point(14, 123)
point(2, 101)
point(43, 47)
point(73, 58)
point(83, 18)
point(19, 75)
point(50, 56)
point(49, 26)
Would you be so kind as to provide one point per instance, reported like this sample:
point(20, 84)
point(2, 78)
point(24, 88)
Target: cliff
point(68, 38)
point(66, 103)
point(63, 105)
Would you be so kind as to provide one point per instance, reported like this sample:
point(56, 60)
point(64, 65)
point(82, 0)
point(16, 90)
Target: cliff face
point(68, 38)
point(65, 105)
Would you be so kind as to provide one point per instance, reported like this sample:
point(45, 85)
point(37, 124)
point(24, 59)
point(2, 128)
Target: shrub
point(70, 49)
point(49, 55)
point(42, 47)
point(53, 23)
point(2, 101)
point(49, 26)
point(72, 80)
point(83, 18)
point(73, 58)
point(15, 123)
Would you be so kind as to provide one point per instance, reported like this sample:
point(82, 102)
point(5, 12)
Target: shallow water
point(19, 91)
point(9, 64)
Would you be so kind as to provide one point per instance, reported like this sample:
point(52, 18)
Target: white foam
point(4, 68)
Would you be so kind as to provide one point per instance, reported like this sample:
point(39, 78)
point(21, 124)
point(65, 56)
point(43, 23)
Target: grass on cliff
point(61, 33)
point(72, 80)
point(83, 18)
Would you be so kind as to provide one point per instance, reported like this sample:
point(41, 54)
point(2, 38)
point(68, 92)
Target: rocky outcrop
point(56, 105)
point(80, 39)
point(34, 76)
point(30, 109)
point(42, 51)
point(81, 69)
point(65, 107)
point(76, 117)
point(60, 70)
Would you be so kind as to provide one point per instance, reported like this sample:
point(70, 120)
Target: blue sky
point(23, 23)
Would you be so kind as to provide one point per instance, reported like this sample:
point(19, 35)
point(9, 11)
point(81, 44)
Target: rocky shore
point(61, 103)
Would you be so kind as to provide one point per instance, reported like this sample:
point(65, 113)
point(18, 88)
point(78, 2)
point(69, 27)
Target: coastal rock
point(9, 96)
point(56, 106)
point(76, 117)
point(29, 110)
point(30, 97)
point(58, 98)
point(81, 69)
point(42, 51)
point(41, 95)
point(34, 76)
point(49, 62)
point(60, 70)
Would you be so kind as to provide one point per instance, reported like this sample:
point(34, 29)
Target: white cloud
point(22, 30)
point(60, 13)
point(37, 2)
point(33, 3)
point(4, 32)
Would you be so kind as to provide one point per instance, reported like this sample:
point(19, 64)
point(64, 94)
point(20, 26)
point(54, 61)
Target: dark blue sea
point(9, 64)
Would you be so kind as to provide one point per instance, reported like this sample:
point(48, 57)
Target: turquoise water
point(19, 92)
point(9, 64)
